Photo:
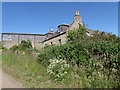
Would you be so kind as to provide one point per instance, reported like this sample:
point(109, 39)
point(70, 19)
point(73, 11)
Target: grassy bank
point(34, 75)
point(25, 69)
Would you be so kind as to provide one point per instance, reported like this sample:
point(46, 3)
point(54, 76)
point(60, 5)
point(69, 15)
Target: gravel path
point(8, 81)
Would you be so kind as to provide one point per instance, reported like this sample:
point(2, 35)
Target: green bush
point(58, 69)
point(2, 47)
point(76, 35)
point(99, 52)
point(14, 48)
point(24, 46)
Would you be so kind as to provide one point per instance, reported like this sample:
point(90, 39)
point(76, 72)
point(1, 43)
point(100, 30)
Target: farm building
point(41, 40)
point(11, 39)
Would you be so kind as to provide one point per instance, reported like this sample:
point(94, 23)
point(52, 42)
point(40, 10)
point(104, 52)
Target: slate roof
point(56, 34)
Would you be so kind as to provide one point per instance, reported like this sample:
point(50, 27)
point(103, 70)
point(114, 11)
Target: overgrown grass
point(27, 70)
point(26, 61)
point(34, 75)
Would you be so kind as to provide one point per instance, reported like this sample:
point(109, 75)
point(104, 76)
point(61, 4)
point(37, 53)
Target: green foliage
point(97, 55)
point(14, 48)
point(25, 62)
point(2, 47)
point(25, 69)
point(24, 46)
point(36, 50)
point(58, 69)
point(76, 35)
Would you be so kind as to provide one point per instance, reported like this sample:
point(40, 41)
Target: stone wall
point(11, 39)
point(39, 45)
point(9, 44)
point(62, 39)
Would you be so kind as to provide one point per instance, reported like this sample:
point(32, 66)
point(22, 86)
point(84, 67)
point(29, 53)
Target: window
point(59, 41)
point(51, 43)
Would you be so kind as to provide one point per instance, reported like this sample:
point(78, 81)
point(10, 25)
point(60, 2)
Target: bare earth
point(8, 81)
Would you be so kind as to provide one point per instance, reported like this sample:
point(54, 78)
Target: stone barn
point(11, 39)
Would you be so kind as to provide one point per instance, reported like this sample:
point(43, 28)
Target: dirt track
point(8, 81)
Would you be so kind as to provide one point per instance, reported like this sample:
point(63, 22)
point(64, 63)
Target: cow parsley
point(58, 69)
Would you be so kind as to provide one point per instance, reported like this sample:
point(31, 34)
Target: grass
point(25, 69)
point(34, 75)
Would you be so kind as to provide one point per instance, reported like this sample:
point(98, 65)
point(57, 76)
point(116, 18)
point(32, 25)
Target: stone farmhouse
point(41, 40)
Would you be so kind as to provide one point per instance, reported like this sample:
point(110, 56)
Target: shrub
point(2, 47)
point(14, 48)
point(76, 35)
point(25, 45)
point(58, 69)
point(95, 53)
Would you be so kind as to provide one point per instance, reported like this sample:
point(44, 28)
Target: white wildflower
point(57, 68)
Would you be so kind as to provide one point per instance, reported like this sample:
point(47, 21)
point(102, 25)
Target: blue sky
point(38, 17)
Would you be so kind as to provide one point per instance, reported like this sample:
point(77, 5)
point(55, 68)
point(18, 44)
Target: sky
point(39, 17)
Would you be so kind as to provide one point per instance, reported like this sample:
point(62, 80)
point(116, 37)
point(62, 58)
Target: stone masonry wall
point(56, 40)
point(9, 44)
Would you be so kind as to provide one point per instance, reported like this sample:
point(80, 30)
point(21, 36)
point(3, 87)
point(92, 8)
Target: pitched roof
point(55, 36)
point(58, 34)
point(23, 34)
